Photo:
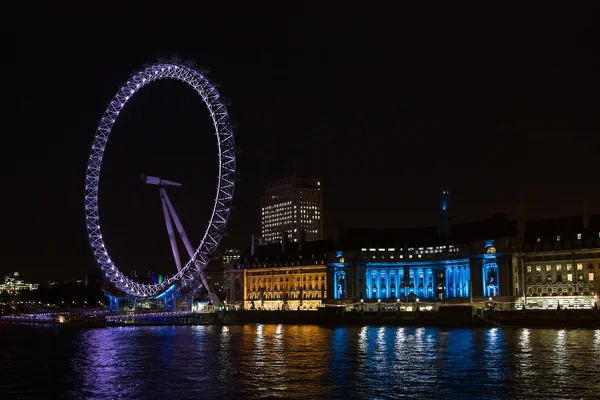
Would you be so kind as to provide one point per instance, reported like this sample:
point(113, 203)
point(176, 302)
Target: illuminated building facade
point(12, 284)
point(542, 263)
point(230, 256)
point(291, 205)
point(450, 262)
point(560, 262)
point(428, 273)
point(286, 276)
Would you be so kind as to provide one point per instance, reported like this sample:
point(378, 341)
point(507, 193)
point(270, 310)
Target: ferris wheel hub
point(153, 180)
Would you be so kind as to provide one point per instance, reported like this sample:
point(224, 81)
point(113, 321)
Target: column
point(335, 285)
point(378, 284)
point(428, 281)
point(400, 281)
point(484, 280)
point(387, 283)
point(456, 280)
point(468, 277)
point(448, 277)
point(368, 293)
point(416, 281)
point(460, 280)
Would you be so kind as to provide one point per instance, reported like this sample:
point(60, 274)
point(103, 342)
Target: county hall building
point(540, 263)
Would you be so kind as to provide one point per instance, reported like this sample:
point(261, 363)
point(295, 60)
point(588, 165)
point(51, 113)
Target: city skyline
point(385, 115)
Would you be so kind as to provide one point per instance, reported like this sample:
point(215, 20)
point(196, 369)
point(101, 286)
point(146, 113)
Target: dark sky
point(385, 105)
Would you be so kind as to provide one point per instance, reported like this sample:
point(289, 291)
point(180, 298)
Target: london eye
point(190, 275)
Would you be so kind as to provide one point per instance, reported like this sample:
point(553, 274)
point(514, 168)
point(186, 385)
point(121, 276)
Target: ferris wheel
point(190, 275)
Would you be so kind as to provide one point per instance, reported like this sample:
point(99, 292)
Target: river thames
point(291, 361)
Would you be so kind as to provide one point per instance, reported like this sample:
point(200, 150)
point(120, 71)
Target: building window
point(558, 267)
point(490, 250)
point(548, 268)
point(579, 267)
point(579, 236)
point(529, 268)
point(538, 268)
point(558, 238)
point(569, 267)
point(538, 239)
point(591, 277)
point(569, 277)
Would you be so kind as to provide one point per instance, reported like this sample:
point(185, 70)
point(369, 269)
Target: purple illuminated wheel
point(188, 276)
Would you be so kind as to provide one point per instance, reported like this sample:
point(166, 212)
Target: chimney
point(253, 244)
point(521, 225)
point(301, 239)
point(284, 242)
point(587, 208)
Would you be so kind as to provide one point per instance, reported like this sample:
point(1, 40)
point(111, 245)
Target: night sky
point(385, 106)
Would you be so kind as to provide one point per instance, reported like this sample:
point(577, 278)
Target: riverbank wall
point(461, 316)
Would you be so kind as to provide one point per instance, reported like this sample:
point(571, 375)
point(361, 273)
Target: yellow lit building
point(13, 284)
point(287, 276)
point(560, 263)
point(289, 287)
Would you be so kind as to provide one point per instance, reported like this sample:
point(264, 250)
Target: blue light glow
point(489, 275)
point(339, 285)
point(169, 291)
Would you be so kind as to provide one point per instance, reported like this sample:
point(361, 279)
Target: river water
point(290, 361)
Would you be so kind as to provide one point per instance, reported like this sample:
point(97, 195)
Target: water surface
point(289, 361)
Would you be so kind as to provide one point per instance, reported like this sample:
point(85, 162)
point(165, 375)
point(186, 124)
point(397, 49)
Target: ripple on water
point(293, 361)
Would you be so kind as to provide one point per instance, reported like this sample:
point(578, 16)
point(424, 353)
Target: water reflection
point(495, 356)
point(283, 361)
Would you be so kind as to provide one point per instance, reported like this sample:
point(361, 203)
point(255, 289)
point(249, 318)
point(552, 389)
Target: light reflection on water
point(289, 361)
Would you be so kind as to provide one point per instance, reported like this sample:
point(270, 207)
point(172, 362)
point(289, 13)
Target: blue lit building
point(450, 262)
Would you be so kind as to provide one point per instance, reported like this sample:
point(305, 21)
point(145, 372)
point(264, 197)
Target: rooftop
point(494, 227)
point(315, 249)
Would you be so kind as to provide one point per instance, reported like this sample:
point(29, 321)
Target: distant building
point(560, 262)
point(13, 284)
point(230, 256)
point(542, 263)
point(214, 274)
point(424, 264)
point(282, 276)
point(291, 205)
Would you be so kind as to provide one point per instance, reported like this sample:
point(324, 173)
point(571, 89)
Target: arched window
point(490, 250)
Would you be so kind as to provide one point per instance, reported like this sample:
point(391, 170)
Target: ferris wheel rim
point(213, 101)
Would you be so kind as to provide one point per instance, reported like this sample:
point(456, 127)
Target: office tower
point(292, 205)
